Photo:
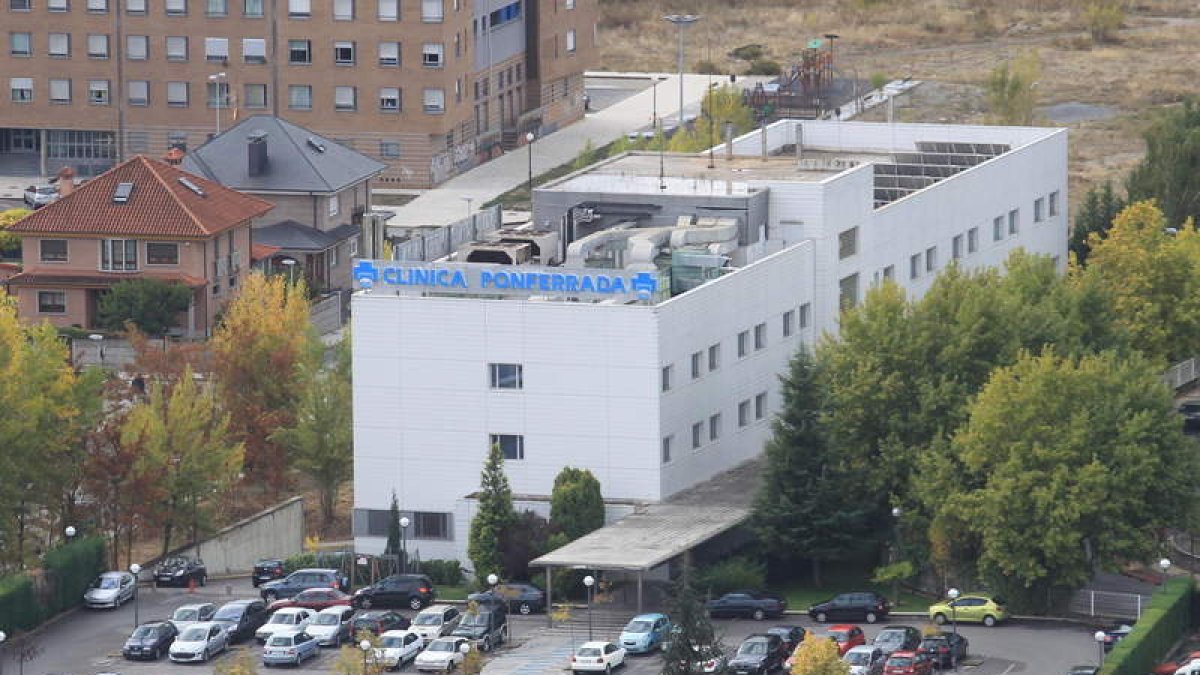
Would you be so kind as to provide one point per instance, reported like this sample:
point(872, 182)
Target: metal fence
point(1181, 375)
point(1108, 604)
point(440, 242)
point(330, 313)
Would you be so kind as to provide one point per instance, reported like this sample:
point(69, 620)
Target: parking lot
point(89, 642)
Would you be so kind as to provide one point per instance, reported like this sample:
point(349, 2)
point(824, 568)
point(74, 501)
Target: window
point(52, 302)
point(931, 259)
point(697, 435)
point(300, 51)
point(59, 45)
point(512, 445)
point(343, 53)
point(177, 94)
point(176, 7)
point(20, 44)
point(135, 6)
point(973, 240)
point(344, 98)
point(432, 11)
point(506, 375)
point(743, 343)
point(333, 206)
point(569, 4)
point(956, 247)
point(53, 250)
point(760, 336)
point(697, 364)
point(217, 94)
point(98, 46)
point(433, 101)
point(299, 9)
point(714, 427)
point(805, 315)
point(997, 228)
point(177, 48)
point(165, 253)
point(137, 47)
point(789, 323)
point(431, 55)
point(97, 6)
point(389, 10)
point(914, 266)
point(254, 50)
point(889, 272)
point(389, 53)
point(389, 101)
point(177, 139)
point(847, 243)
point(343, 10)
point(98, 92)
point(431, 525)
point(139, 92)
point(571, 40)
point(744, 413)
point(60, 91)
point(52, 5)
point(848, 292)
point(216, 49)
point(255, 96)
point(666, 449)
point(760, 406)
point(300, 97)
point(118, 255)
point(21, 89)
point(387, 150)
point(217, 7)
point(665, 381)
point(714, 357)
point(252, 8)
point(1054, 203)
point(20, 5)
point(1039, 208)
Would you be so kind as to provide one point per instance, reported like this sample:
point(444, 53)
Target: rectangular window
point(997, 228)
point(59, 45)
point(914, 266)
point(21, 89)
point(119, 255)
point(98, 92)
point(389, 150)
point(427, 525)
point(53, 250)
point(97, 6)
point(889, 272)
point(135, 6)
point(300, 97)
point(847, 243)
point(805, 315)
point(300, 51)
point(217, 7)
point(389, 10)
point(666, 449)
point(177, 94)
point(512, 445)
point(137, 47)
point(432, 11)
point(1014, 217)
point(570, 40)
point(506, 375)
point(697, 364)
point(431, 55)
point(162, 253)
point(665, 378)
point(52, 302)
point(254, 50)
point(1054, 203)
point(743, 343)
point(177, 139)
point(252, 8)
point(760, 336)
point(848, 292)
point(569, 4)
point(697, 435)
point(217, 94)
point(931, 259)
point(299, 9)
point(973, 240)
point(956, 247)
point(343, 53)
point(176, 7)
point(216, 49)
point(389, 53)
point(20, 44)
point(760, 406)
point(177, 48)
point(744, 413)
point(52, 5)
point(20, 5)
point(789, 323)
point(1039, 208)
point(334, 207)
point(714, 427)
point(345, 99)
point(343, 10)
point(433, 101)
point(60, 91)
point(714, 357)
point(98, 46)
point(254, 96)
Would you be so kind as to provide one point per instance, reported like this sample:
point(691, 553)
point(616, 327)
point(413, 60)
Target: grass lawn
point(800, 593)
point(452, 592)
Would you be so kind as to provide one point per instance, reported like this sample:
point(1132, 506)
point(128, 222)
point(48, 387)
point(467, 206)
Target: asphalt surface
point(88, 642)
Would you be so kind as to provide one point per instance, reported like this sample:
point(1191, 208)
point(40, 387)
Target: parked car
point(864, 660)
point(860, 606)
point(792, 636)
point(1190, 410)
point(709, 660)
point(398, 647)
point(315, 599)
point(37, 196)
point(302, 580)
point(752, 604)
point(486, 627)
point(180, 571)
point(758, 655)
point(1092, 670)
point(898, 638)
point(443, 654)
point(908, 663)
point(194, 613)
point(644, 633)
point(292, 646)
point(597, 657)
point(378, 622)
point(284, 620)
point(1114, 634)
point(331, 626)
point(150, 640)
point(945, 649)
point(974, 607)
point(1191, 668)
point(199, 643)
point(111, 589)
point(520, 598)
point(267, 569)
point(435, 621)
point(847, 636)
point(241, 618)
point(1170, 667)
point(413, 591)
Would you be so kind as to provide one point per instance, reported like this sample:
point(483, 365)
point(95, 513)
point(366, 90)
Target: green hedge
point(442, 572)
point(1167, 617)
point(70, 569)
point(19, 608)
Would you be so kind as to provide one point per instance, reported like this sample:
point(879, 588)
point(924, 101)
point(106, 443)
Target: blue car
point(291, 647)
point(645, 633)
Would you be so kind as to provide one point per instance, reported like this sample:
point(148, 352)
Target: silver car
point(331, 626)
point(189, 615)
point(37, 196)
point(199, 643)
point(111, 589)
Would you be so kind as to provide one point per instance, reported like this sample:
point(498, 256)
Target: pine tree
point(494, 517)
point(576, 506)
point(393, 539)
point(1096, 215)
point(693, 640)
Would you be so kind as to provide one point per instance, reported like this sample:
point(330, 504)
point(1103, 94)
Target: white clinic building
point(570, 358)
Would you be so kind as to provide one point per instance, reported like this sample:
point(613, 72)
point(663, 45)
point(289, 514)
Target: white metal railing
point(1108, 604)
point(1181, 374)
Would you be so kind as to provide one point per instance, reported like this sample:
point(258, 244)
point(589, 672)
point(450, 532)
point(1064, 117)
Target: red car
point(908, 663)
point(314, 598)
point(847, 636)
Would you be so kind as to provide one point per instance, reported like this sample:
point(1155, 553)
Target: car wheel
point(203, 579)
point(206, 655)
point(487, 644)
point(415, 604)
point(337, 641)
point(270, 596)
point(365, 603)
point(939, 619)
point(989, 621)
point(759, 615)
point(821, 617)
point(525, 608)
point(872, 617)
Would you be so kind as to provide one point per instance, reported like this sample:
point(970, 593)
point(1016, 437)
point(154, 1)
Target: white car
point(40, 195)
point(190, 615)
point(111, 589)
point(398, 647)
point(865, 660)
point(597, 656)
point(331, 625)
point(1192, 668)
point(199, 643)
point(435, 621)
point(441, 655)
point(285, 619)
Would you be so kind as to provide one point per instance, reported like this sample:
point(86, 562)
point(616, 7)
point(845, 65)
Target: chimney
point(257, 152)
point(174, 156)
point(66, 181)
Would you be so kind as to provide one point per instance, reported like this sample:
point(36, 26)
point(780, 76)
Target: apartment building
point(429, 87)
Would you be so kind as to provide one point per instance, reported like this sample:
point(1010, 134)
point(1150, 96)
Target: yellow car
point(974, 607)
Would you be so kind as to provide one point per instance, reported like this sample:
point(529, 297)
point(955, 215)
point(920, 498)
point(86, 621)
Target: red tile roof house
point(142, 218)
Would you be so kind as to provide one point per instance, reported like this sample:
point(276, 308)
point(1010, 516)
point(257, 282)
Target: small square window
point(760, 406)
point(345, 98)
point(53, 250)
point(389, 149)
point(98, 92)
point(343, 10)
point(506, 375)
point(889, 272)
point(137, 47)
point(512, 445)
point(299, 51)
point(97, 46)
point(216, 49)
point(20, 5)
point(299, 9)
point(697, 364)
point(389, 10)
point(973, 240)
point(254, 50)
point(744, 413)
point(343, 53)
point(255, 96)
point(20, 44)
point(714, 357)
point(434, 101)
point(162, 253)
point(847, 243)
point(956, 247)
point(137, 7)
point(52, 302)
point(743, 342)
point(389, 53)
point(176, 7)
point(665, 378)
point(805, 315)
point(252, 8)
point(300, 97)
point(432, 55)
point(1054, 203)
point(760, 336)
point(666, 449)
point(1014, 218)
point(60, 91)
point(58, 45)
point(389, 101)
point(177, 94)
point(789, 323)
point(97, 6)
point(714, 427)
point(697, 435)
point(432, 11)
point(177, 48)
point(217, 8)
point(51, 5)
point(21, 89)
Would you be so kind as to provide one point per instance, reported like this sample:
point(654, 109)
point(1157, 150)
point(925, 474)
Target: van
point(435, 621)
point(484, 624)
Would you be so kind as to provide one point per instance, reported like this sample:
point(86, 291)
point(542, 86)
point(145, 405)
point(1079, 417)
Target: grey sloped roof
point(294, 236)
point(293, 163)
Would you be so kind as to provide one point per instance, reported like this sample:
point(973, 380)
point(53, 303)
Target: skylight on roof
point(191, 186)
point(316, 145)
point(121, 194)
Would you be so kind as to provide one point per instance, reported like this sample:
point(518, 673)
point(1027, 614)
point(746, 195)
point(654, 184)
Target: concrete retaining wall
point(277, 532)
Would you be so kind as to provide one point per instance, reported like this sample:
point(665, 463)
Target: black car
point(758, 655)
point(413, 591)
point(242, 618)
point(267, 569)
point(179, 570)
point(792, 636)
point(378, 622)
point(897, 639)
point(861, 606)
point(150, 640)
point(518, 598)
point(751, 604)
point(945, 649)
point(1114, 634)
point(302, 580)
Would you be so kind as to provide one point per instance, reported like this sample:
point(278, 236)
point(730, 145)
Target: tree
point(353, 660)
point(819, 657)
point(321, 442)
point(527, 539)
point(693, 639)
point(1095, 216)
point(1103, 19)
point(395, 536)
point(1168, 173)
point(807, 506)
point(152, 305)
point(8, 240)
point(495, 515)
point(720, 106)
point(1011, 91)
point(576, 506)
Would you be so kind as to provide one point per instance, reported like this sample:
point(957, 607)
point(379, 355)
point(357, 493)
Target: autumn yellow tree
point(818, 656)
point(720, 106)
point(261, 350)
point(7, 218)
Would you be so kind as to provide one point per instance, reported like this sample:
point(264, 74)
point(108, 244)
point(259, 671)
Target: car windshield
point(839, 635)
point(186, 615)
point(858, 658)
point(478, 619)
point(228, 614)
point(934, 643)
point(327, 620)
point(393, 641)
point(638, 627)
point(173, 562)
point(106, 583)
point(755, 648)
point(47, 190)
point(900, 661)
point(589, 651)
point(146, 632)
point(286, 619)
point(195, 634)
point(440, 646)
point(428, 619)
point(280, 641)
point(888, 637)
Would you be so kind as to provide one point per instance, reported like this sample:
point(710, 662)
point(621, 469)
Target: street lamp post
point(681, 22)
point(895, 556)
point(953, 595)
point(365, 646)
point(290, 263)
point(529, 137)
point(70, 532)
point(99, 340)
point(3, 637)
point(588, 582)
point(217, 79)
point(1164, 565)
point(134, 569)
point(1099, 638)
point(404, 521)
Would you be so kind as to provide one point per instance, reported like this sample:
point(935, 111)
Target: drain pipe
point(799, 142)
point(728, 141)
